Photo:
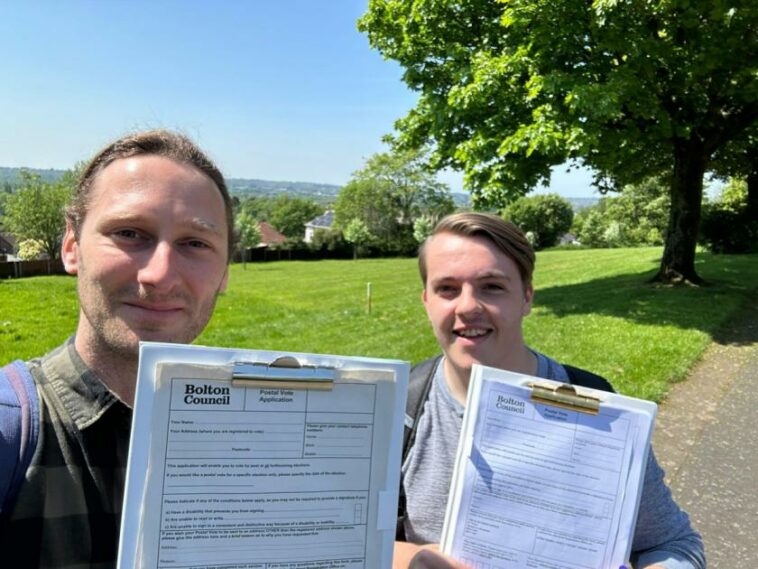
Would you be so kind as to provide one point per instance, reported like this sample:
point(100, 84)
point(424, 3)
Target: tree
point(414, 189)
point(357, 233)
point(634, 218)
point(35, 211)
point(248, 232)
point(388, 194)
point(632, 89)
point(290, 214)
point(547, 216)
point(286, 213)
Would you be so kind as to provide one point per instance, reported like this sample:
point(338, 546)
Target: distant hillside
point(245, 188)
point(240, 187)
point(12, 177)
point(582, 203)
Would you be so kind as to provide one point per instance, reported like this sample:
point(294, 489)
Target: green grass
point(592, 309)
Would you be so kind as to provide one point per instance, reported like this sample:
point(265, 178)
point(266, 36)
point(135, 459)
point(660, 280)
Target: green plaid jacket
point(68, 511)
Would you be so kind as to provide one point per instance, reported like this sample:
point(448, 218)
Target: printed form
point(544, 487)
point(251, 477)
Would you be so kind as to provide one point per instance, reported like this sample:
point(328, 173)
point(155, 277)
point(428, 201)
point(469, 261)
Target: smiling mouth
point(154, 308)
point(471, 333)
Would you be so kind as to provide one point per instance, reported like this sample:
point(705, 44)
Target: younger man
point(477, 275)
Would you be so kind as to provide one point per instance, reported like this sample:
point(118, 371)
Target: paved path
point(707, 440)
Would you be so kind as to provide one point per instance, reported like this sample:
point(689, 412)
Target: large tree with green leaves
point(35, 211)
point(509, 89)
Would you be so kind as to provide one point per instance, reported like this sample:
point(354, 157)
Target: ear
point(70, 251)
point(528, 298)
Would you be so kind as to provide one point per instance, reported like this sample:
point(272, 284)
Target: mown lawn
point(592, 309)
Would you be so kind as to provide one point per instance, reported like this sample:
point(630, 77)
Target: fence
point(264, 254)
point(19, 269)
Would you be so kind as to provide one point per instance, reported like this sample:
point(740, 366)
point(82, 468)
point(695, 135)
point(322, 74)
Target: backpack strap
point(419, 384)
point(584, 378)
point(19, 430)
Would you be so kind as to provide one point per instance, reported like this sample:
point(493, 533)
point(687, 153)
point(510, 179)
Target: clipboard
point(546, 474)
point(241, 458)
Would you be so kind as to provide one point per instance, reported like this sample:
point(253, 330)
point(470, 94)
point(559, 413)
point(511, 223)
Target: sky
point(271, 89)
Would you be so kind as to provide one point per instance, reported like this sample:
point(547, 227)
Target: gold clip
point(564, 396)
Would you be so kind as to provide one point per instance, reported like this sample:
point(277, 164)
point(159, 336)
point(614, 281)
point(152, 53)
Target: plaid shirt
point(68, 512)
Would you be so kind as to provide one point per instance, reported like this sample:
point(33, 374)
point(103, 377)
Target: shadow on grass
point(726, 309)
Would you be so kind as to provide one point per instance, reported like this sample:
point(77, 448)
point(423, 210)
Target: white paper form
point(265, 477)
point(540, 486)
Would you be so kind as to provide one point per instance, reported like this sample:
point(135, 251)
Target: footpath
point(706, 439)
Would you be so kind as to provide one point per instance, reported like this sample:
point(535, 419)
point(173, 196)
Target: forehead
point(154, 182)
point(448, 255)
point(156, 189)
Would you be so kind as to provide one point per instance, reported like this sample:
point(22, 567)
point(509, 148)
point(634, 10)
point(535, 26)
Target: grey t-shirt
point(663, 534)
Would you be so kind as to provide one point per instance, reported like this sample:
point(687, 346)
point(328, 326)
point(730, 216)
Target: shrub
point(546, 216)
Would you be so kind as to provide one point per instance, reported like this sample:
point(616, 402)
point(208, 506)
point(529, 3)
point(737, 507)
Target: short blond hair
point(505, 235)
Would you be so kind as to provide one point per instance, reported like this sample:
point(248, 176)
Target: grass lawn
point(592, 309)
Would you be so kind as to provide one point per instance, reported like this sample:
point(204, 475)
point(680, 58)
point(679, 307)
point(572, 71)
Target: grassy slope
point(592, 309)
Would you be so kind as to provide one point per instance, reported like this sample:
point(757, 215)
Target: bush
point(727, 226)
point(546, 216)
point(727, 231)
point(329, 240)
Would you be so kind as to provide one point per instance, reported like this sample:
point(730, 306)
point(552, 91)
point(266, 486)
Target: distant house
point(323, 221)
point(270, 237)
point(7, 246)
point(568, 239)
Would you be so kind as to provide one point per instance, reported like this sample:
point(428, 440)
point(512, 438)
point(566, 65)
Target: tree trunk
point(678, 262)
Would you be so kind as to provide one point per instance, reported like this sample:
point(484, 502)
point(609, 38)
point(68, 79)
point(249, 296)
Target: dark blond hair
point(505, 235)
point(164, 143)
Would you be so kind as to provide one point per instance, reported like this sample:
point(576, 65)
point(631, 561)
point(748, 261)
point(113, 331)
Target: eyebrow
point(484, 275)
point(205, 226)
point(196, 223)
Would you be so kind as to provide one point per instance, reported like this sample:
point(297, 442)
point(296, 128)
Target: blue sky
point(277, 90)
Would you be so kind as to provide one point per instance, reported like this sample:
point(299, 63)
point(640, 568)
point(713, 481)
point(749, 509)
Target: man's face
point(475, 300)
point(150, 257)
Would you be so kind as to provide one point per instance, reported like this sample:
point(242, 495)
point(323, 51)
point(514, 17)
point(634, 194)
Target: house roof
point(7, 243)
point(324, 220)
point(269, 235)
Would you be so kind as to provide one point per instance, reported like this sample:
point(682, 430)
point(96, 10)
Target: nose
point(468, 302)
point(159, 269)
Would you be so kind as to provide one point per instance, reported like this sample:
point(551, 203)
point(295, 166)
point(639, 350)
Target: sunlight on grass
point(592, 309)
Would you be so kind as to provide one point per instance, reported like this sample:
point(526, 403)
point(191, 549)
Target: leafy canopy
point(510, 88)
